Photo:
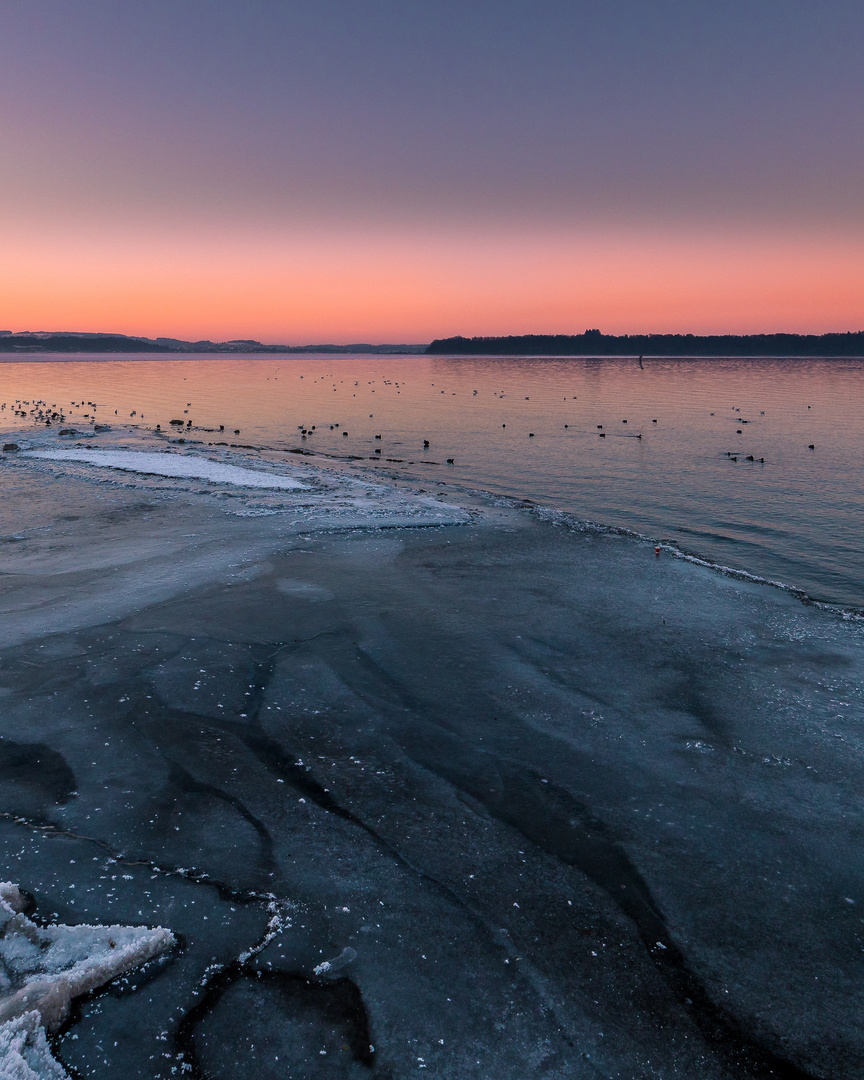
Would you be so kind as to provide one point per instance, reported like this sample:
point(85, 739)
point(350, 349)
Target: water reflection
point(671, 449)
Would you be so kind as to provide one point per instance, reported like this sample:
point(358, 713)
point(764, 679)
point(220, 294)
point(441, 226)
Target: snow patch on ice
point(24, 1051)
point(186, 466)
point(43, 968)
point(347, 956)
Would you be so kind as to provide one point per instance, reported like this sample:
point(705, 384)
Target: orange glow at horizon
point(314, 286)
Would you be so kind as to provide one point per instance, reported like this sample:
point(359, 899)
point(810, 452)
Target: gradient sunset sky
point(368, 170)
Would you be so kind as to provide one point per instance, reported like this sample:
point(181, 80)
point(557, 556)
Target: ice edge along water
point(671, 547)
point(185, 466)
point(43, 968)
point(192, 466)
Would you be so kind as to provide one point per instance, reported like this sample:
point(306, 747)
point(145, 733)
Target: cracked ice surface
point(569, 809)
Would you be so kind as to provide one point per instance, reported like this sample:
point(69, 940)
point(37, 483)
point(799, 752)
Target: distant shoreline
point(89, 357)
point(591, 345)
point(670, 346)
point(35, 344)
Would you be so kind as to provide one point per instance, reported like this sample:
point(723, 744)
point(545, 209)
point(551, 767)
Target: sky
point(399, 170)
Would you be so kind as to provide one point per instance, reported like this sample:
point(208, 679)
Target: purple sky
point(142, 138)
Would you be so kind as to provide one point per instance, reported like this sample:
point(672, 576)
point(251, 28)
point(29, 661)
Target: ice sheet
point(577, 808)
point(174, 465)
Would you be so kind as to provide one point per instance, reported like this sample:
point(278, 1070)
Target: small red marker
point(656, 550)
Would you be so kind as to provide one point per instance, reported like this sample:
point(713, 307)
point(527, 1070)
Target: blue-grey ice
point(571, 808)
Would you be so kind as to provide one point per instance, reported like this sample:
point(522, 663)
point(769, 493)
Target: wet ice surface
point(545, 803)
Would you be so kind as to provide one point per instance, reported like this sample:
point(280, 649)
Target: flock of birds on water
point(39, 412)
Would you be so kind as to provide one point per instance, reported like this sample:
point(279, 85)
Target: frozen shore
point(492, 798)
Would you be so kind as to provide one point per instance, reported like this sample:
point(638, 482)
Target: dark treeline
point(594, 343)
point(591, 343)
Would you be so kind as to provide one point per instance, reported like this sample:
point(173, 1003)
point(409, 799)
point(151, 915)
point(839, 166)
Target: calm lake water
point(795, 518)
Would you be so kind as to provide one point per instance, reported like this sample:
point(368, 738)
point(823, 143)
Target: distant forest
point(594, 343)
